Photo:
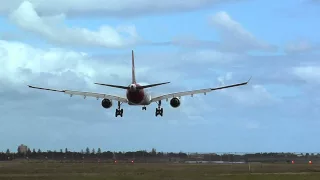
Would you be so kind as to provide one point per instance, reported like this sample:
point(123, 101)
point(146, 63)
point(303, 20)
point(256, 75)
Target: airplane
point(137, 95)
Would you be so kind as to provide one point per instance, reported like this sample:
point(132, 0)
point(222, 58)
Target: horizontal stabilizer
point(111, 85)
point(152, 85)
point(127, 87)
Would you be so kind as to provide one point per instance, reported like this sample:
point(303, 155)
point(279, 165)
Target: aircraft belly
point(146, 101)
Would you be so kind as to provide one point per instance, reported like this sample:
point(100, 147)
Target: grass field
point(95, 171)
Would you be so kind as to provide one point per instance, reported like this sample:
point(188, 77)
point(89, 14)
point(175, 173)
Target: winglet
point(249, 79)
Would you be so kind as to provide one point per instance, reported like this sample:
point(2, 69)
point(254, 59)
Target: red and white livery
point(136, 94)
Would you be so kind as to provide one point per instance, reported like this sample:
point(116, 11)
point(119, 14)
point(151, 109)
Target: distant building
point(23, 149)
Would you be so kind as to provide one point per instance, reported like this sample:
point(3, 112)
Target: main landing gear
point(119, 111)
point(144, 108)
point(159, 110)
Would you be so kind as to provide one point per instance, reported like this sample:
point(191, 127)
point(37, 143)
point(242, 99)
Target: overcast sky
point(193, 44)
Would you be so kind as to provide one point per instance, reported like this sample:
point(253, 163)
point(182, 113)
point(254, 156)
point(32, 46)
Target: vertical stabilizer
point(133, 70)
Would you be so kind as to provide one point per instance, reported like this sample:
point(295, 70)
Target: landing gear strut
point(119, 111)
point(159, 110)
point(144, 108)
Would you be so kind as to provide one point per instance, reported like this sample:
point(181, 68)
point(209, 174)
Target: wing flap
point(96, 95)
point(85, 94)
point(199, 91)
point(179, 94)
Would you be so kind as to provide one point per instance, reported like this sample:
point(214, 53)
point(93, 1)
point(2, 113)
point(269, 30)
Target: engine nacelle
point(175, 102)
point(106, 103)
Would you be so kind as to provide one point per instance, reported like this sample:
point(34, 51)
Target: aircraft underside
point(106, 103)
point(159, 110)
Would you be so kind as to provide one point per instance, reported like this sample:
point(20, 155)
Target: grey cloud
point(9, 36)
point(313, 1)
point(234, 37)
point(300, 10)
point(52, 28)
point(302, 46)
point(125, 8)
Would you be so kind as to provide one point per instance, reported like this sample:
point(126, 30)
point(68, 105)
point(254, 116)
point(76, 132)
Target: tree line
point(99, 154)
point(87, 154)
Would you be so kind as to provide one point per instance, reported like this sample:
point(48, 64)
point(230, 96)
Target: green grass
point(95, 171)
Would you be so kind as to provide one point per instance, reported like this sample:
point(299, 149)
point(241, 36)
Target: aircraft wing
point(199, 91)
point(85, 94)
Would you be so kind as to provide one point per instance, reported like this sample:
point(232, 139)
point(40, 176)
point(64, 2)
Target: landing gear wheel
point(159, 110)
point(144, 108)
point(119, 111)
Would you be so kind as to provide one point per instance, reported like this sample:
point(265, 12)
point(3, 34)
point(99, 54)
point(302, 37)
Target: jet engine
point(175, 102)
point(106, 103)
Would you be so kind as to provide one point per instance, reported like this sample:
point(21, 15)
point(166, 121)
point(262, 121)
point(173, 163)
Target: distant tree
point(82, 152)
point(61, 151)
point(109, 155)
point(39, 150)
point(34, 151)
point(154, 152)
point(66, 150)
point(99, 151)
point(87, 150)
point(93, 151)
point(29, 151)
point(184, 155)
point(8, 152)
